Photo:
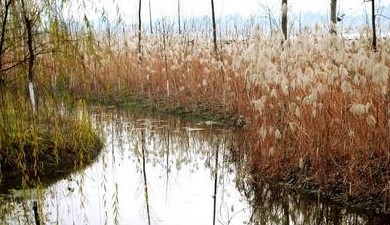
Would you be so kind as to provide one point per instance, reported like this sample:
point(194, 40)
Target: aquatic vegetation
point(38, 57)
point(318, 100)
point(316, 107)
point(333, 118)
point(34, 148)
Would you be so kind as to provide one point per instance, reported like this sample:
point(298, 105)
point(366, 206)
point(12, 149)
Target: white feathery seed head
point(356, 79)
point(292, 126)
point(371, 120)
point(271, 151)
point(204, 82)
point(271, 130)
point(343, 72)
point(314, 112)
point(297, 112)
point(274, 93)
point(310, 99)
point(359, 109)
point(346, 87)
point(263, 132)
point(320, 89)
point(284, 86)
point(278, 135)
point(380, 75)
point(259, 104)
point(236, 63)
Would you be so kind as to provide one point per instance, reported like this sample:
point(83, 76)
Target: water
point(162, 170)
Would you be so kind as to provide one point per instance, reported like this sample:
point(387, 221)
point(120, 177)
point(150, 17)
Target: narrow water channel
point(166, 171)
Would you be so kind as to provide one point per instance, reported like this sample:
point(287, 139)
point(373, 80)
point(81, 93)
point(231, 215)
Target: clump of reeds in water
point(34, 147)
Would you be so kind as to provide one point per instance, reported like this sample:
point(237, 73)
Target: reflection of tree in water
point(273, 204)
point(170, 144)
point(19, 208)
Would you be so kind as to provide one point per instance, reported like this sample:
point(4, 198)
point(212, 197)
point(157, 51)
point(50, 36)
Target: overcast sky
point(194, 8)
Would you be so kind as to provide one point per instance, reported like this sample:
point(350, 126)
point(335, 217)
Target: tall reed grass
point(317, 107)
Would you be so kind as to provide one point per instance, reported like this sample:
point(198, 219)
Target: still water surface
point(168, 171)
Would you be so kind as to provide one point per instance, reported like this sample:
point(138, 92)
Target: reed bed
point(316, 107)
point(322, 115)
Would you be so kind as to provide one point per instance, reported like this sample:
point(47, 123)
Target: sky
point(195, 8)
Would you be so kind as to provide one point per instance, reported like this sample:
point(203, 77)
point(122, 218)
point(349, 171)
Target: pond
point(165, 170)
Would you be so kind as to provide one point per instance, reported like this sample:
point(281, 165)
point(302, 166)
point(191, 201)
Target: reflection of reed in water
point(162, 152)
point(36, 213)
point(215, 184)
point(167, 161)
point(191, 146)
point(22, 207)
point(143, 148)
point(273, 205)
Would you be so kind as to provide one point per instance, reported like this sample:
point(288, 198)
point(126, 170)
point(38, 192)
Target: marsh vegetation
point(313, 104)
point(157, 169)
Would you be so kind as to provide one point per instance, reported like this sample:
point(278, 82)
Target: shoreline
point(296, 182)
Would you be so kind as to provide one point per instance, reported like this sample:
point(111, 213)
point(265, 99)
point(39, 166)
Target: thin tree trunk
point(333, 17)
point(31, 60)
point(373, 25)
point(3, 30)
point(178, 15)
point(214, 28)
point(284, 18)
point(139, 27)
point(150, 18)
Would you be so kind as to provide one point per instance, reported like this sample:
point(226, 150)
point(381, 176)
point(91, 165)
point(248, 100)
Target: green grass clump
point(37, 146)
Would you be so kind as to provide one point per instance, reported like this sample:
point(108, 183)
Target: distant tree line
point(334, 18)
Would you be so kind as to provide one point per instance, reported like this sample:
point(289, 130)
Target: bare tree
point(3, 32)
point(28, 22)
point(373, 24)
point(150, 18)
point(284, 18)
point(271, 19)
point(139, 26)
point(214, 27)
point(333, 17)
